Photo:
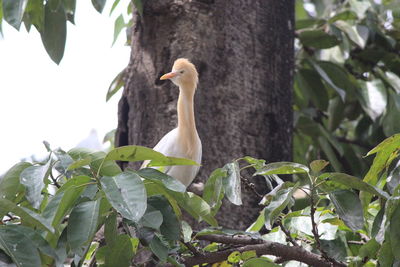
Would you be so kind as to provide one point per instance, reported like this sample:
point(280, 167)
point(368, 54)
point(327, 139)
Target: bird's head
point(183, 74)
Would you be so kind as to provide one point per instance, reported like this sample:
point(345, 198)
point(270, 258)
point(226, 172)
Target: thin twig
point(287, 233)
point(54, 180)
point(191, 248)
point(314, 229)
point(250, 185)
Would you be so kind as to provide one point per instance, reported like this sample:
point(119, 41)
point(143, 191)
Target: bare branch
point(261, 247)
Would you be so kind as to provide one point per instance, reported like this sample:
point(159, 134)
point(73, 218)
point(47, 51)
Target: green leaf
point(139, 153)
point(394, 231)
point(301, 13)
point(369, 249)
point(13, 12)
point(360, 7)
point(33, 180)
point(352, 32)
point(126, 194)
point(99, 5)
point(9, 184)
point(376, 226)
point(63, 161)
point(27, 216)
point(386, 257)
point(373, 98)
point(82, 223)
point(393, 80)
point(159, 249)
point(139, 6)
point(195, 206)
point(312, 88)
point(232, 183)
point(110, 229)
point(234, 257)
point(61, 248)
point(278, 203)
point(170, 225)
point(318, 39)
point(318, 165)
point(102, 166)
point(170, 161)
point(116, 84)
point(387, 145)
point(213, 190)
point(354, 182)
point(114, 5)
point(1, 19)
point(335, 248)
point(162, 178)
point(259, 262)
point(348, 207)
point(186, 231)
point(54, 4)
point(154, 189)
point(384, 151)
point(63, 202)
point(55, 32)
point(121, 253)
point(152, 218)
point(258, 224)
point(248, 254)
point(345, 15)
point(335, 113)
point(34, 14)
point(118, 26)
point(333, 75)
point(79, 163)
point(390, 121)
point(19, 246)
point(282, 168)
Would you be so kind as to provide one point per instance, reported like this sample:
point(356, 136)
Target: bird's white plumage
point(170, 146)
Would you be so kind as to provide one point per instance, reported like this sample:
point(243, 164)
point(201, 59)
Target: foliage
point(347, 85)
point(52, 210)
point(50, 17)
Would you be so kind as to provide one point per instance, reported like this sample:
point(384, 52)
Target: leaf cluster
point(347, 85)
point(52, 210)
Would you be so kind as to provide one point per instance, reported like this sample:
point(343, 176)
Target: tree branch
point(261, 247)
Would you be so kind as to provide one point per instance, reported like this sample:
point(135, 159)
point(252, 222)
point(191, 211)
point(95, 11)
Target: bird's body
point(183, 141)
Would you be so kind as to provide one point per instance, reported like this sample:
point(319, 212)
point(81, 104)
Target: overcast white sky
point(61, 104)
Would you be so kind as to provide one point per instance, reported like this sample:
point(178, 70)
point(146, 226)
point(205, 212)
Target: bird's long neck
point(186, 122)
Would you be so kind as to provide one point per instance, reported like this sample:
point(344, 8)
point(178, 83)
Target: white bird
point(183, 141)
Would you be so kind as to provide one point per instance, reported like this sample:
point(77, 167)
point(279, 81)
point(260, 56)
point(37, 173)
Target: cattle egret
point(183, 141)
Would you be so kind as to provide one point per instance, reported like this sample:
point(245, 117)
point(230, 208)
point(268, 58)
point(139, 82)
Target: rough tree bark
point(243, 50)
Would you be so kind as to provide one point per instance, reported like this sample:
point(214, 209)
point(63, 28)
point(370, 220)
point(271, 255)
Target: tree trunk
point(243, 50)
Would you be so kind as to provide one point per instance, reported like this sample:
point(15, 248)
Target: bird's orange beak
point(168, 75)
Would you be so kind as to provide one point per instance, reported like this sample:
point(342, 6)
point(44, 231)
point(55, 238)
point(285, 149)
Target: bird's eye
point(182, 71)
